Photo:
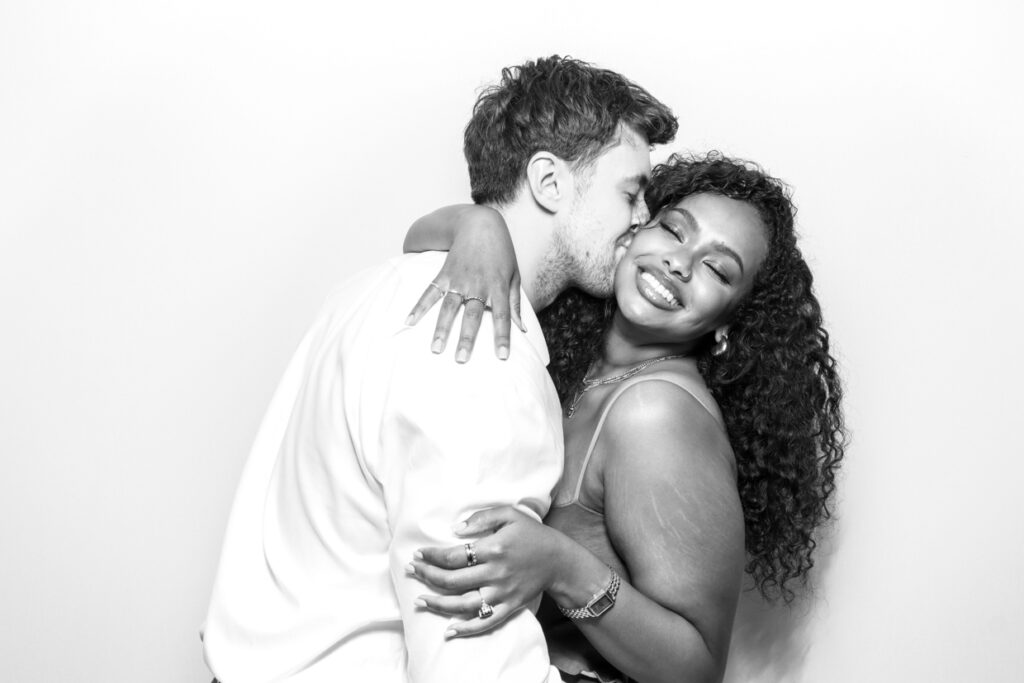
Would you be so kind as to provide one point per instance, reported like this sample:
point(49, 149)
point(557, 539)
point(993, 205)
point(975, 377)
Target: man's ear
point(549, 180)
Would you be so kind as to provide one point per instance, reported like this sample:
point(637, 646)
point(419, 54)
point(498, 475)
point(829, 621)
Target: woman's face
point(685, 272)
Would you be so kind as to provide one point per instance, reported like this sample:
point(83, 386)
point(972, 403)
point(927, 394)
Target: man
point(373, 447)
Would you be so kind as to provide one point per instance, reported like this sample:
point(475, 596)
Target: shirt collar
point(534, 334)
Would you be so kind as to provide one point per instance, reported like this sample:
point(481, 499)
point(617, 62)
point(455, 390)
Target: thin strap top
point(688, 384)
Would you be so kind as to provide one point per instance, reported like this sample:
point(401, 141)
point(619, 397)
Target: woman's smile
point(658, 289)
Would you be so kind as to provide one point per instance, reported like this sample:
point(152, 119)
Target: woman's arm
point(673, 514)
point(479, 272)
point(436, 231)
point(674, 517)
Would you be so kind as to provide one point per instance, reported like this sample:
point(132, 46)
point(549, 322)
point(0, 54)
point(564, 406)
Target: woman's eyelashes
point(672, 230)
point(720, 274)
point(678, 233)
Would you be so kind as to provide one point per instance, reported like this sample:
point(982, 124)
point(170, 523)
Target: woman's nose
point(680, 265)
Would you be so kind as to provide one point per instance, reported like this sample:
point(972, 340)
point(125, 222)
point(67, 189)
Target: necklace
point(589, 384)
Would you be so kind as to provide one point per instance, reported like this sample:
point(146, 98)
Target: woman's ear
point(548, 180)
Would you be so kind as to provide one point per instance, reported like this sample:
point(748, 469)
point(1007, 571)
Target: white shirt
point(371, 448)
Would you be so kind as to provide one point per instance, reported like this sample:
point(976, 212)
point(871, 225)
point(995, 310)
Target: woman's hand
point(514, 565)
point(480, 272)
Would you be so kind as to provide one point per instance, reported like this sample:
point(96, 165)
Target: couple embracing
point(582, 503)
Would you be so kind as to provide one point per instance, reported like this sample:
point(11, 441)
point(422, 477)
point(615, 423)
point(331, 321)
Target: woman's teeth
point(659, 288)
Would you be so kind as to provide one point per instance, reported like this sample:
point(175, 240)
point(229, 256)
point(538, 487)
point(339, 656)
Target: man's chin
point(600, 288)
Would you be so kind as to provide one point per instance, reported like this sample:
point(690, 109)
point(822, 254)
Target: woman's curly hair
point(777, 383)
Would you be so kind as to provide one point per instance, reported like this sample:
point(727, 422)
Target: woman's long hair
point(777, 383)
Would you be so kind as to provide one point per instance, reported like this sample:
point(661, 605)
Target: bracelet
point(602, 601)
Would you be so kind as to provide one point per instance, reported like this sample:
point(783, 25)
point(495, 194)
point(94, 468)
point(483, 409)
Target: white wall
point(181, 182)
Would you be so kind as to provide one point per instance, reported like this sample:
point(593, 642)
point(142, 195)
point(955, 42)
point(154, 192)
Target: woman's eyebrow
point(686, 216)
point(729, 251)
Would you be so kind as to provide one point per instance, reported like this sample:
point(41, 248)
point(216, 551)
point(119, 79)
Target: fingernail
point(408, 321)
point(410, 569)
point(461, 356)
point(419, 602)
point(437, 346)
point(451, 633)
point(503, 353)
point(458, 526)
point(418, 555)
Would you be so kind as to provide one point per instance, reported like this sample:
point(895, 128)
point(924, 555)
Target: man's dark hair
point(559, 105)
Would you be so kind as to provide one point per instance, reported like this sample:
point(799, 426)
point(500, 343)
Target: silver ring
point(437, 287)
point(485, 611)
point(475, 298)
point(456, 293)
point(471, 560)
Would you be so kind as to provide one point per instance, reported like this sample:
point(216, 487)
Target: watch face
point(601, 605)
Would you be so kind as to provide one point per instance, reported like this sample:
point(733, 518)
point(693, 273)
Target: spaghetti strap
point(670, 377)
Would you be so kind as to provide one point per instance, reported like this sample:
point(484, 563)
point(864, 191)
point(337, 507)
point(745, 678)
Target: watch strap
point(602, 601)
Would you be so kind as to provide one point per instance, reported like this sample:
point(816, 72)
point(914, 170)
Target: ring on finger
point(485, 611)
point(471, 560)
point(456, 293)
point(475, 298)
point(438, 288)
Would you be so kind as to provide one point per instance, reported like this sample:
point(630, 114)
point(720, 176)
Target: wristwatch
point(602, 601)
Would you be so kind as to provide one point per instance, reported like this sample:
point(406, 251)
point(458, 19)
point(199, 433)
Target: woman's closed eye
point(671, 229)
point(718, 272)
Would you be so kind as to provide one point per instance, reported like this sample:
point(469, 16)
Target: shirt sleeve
point(456, 439)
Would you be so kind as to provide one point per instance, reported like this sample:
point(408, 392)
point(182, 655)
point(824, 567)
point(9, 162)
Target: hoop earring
point(721, 346)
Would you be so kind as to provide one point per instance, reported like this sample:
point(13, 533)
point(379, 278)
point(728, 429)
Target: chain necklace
point(589, 384)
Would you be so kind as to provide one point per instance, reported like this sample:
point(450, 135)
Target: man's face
point(609, 199)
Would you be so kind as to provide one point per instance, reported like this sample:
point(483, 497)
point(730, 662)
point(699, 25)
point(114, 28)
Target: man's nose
point(641, 215)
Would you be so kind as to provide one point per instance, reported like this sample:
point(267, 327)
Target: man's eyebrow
point(718, 245)
point(640, 180)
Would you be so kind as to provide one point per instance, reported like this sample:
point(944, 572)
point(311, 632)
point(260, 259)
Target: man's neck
point(532, 232)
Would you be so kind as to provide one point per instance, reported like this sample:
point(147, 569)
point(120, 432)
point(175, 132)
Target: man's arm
point(457, 439)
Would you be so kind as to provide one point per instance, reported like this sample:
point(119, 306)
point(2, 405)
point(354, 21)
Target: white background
point(182, 182)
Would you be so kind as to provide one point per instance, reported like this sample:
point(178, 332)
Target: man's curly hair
point(557, 104)
point(777, 384)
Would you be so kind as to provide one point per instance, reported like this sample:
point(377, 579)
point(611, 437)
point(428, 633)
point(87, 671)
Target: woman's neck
point(624, 347)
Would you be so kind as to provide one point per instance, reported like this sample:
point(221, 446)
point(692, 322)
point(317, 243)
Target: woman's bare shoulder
point(672, 507)
point(670, 419)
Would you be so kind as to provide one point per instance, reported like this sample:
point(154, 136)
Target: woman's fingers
point(448, 581)
point(487, 521)
point(471, 318)
point(477, 624)
point(514, 301)
point(467, 604)
point(446, 316)
point(500, 315)
point(431, 295)
point(454, 557)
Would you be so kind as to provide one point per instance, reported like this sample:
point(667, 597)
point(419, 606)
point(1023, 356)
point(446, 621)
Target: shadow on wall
point(771, 642)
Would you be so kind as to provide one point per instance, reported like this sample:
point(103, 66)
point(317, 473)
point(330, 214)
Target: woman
point(702, 431)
